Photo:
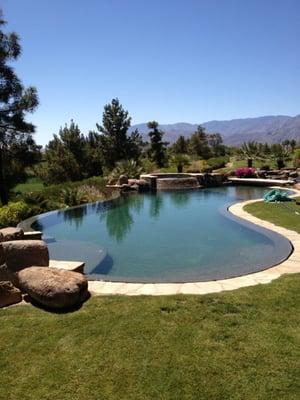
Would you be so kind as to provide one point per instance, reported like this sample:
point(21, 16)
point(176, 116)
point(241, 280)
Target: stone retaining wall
point(182, 181)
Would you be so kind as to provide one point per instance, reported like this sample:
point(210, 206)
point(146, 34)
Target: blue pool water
point(177, 236)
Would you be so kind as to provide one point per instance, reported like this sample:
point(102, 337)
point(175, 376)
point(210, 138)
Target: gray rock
point(9, 294)
point(123, 180)
point(293, 174)
point(54, 288)
point(21, 254)
point(8, 234)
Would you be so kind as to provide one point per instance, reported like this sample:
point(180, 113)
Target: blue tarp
point(276, 195)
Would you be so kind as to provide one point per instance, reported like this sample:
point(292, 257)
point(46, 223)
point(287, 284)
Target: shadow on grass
point(64, 310)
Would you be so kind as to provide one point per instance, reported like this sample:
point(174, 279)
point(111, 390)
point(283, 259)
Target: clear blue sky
point(168, 60)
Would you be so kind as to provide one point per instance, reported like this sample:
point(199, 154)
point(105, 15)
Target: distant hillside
point(270, 129)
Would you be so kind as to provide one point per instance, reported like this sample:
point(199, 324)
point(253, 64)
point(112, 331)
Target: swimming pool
point(178, 236)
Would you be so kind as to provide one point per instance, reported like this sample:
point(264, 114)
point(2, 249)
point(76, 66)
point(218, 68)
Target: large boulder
point(8, 234)
point(2, 259)
point(21, 254)
point(7, 275)
point(53, 288)
point(9, 294)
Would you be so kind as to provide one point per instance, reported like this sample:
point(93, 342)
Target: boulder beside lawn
point(53, 288)
point(9, 294)
point(8, 234)
point(7, 275)
point(19, 254)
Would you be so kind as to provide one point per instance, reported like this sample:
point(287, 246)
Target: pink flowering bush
point(245, 172)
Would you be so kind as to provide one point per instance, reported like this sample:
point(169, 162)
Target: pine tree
point(15, 102)
point(65, 156)
point(116, 144)
point(157, 146)
point(180, 146)
point(199, 144)
point(94, 161)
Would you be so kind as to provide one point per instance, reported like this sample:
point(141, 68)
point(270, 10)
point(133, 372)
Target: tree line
point(70, 155)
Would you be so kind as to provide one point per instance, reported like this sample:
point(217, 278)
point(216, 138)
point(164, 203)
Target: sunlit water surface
point(177, 236)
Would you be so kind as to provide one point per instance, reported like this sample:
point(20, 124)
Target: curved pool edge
point(290, 265)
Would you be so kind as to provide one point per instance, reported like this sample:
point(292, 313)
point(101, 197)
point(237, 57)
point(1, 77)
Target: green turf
point(31, 185)
point(285, 214)
point(238, 163)
point(242, 345)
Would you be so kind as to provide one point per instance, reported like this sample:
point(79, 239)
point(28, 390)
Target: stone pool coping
point(290, 266)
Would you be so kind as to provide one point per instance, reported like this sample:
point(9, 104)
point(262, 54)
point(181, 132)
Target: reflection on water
point(169, 236)
point(180, 199)
point(74, 215)
point(119, 218)
point(156, 204)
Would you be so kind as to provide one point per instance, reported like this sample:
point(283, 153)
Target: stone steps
point(75, 266)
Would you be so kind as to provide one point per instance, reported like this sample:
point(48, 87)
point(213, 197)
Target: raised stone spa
point(161, 181)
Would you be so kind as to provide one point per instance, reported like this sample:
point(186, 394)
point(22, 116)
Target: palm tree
point(280, 154)
point(130, 168)
point(251, 151)
point(180, 160)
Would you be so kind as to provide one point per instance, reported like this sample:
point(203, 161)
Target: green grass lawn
point(282, 214)
point(242, 344)
point(31, 185)
point(239, 345)
point(238, 163)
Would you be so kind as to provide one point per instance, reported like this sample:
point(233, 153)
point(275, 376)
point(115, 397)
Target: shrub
point(207, 169)
point(73, 197)
point(196, 166)
point(218, 162)
point(13, 213)
point(297, 158)
point(245, 172)
point(90, 193)
point(39, 202)
point(265, 167)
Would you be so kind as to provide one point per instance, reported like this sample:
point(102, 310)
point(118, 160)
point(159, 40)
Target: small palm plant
point(280, 154)
point(251, 151)
point(130, 168)
point(181, 161)
point(73, 197)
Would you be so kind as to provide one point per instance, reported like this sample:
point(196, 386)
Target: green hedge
point(13, 213)
point(25, 205)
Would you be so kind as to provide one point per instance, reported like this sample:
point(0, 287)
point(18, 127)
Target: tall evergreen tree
point(116, 143)
point(65, 156)
point(180, 146)
point(215, 142)
point(15, 102)
point(199, 143)
point(157, 145)
point(93, 150)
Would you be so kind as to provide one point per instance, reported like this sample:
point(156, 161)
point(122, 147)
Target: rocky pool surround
point(289, 266)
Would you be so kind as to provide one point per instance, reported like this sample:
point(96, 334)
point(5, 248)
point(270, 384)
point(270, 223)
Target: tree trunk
point(3, 191)
point(250, 162)
point(179, 169)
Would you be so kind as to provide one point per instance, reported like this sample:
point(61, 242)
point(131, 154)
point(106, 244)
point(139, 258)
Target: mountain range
point(267, 129)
